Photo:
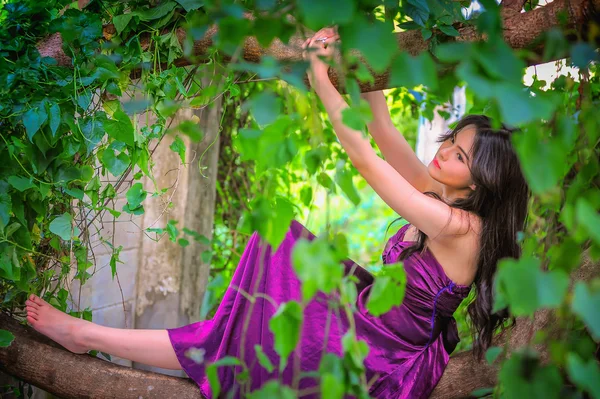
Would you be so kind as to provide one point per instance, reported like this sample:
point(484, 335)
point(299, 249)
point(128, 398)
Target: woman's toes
point(31, 309)
point(32, 320)
point(38, 301)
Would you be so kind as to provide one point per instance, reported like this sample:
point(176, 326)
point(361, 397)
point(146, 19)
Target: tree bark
point(41, 362)
point(521, 31)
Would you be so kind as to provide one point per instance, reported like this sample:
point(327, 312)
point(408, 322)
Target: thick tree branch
point(521, 31)
point(33, 358)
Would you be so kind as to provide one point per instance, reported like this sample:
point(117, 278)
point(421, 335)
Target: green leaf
point(62, 227)
point(285, 326)
point(408, 71)
point(588, 217)
point(178, 146)
point(120, 128)
point(5, 205)
point(135, 195)
point(263, 360)
point(155, 12)
point(121, 21)
point(586, 304)
point(9, 264)
point(585, 375)
point(331, 386)
point(213, 380)
point(320, 13)
point(265, 107)
point(449, 30)
point(20, 183)
point(115, 165)
point(114, 258)
point(54, 118)
point(376, 41)
point(317, 265)
point(273, 389)
point(426, 33)
point(387, 290)
point(6, 338)
point(343, 177)
point(526, 288)
point(582, 54)
point(190, 5)
point(418, 10)
point(33, 120)
point(191, 129)
point(542, 159)
point(492, 354)
point(517, 106)
point(522, 376)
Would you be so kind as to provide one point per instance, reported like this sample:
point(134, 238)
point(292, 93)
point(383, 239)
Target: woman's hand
point(320, 45)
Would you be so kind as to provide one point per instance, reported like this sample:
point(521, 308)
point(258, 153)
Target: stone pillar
point(429, 131)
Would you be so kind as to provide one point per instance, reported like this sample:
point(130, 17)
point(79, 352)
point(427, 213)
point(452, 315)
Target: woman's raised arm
point(394, 147)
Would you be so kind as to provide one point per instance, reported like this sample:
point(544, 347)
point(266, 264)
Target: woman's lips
point(436, 163)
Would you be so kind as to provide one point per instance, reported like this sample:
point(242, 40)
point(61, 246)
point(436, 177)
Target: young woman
point(464, 211)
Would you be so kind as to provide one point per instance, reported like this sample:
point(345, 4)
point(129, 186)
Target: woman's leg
point(151, 347)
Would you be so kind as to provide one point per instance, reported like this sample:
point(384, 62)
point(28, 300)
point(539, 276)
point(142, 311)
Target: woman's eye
point(460, 158)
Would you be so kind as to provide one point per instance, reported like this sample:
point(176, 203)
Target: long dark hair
point(500, 199)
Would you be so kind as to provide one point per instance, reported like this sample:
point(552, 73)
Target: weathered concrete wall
point(429, 131)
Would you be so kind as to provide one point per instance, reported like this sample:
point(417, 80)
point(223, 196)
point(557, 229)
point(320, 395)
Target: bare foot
point(56, 325)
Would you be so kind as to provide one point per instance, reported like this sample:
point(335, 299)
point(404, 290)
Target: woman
point(464, 211)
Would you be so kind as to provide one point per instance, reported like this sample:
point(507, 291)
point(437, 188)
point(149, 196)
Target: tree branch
point(41, 362)
point(521, 31)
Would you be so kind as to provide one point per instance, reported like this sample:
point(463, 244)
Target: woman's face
point(451, 164)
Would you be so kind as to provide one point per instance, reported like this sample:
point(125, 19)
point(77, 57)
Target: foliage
point(67, 129)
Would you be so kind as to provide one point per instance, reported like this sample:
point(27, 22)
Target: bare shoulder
point(458, 251)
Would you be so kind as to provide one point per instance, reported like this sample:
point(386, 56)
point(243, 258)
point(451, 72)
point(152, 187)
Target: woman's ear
point(473, 186)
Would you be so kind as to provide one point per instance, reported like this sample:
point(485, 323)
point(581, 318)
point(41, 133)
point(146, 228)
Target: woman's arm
point(425, 213)
point(394, 147)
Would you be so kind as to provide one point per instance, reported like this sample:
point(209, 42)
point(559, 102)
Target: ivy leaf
point(263, 360)
point(388, 290)
point(525, 288)
point(5, 205)
point(6, 338)
point(120, 128)
point(178, 146)
point(265, 107)
point(408, 71)
point(492, 354)
point(20, 183)
point(320, 13)
point(362, 36)
point(61, 226)
point(155, 12)
point(191, 129)
point(135, 195)
point(285, 326)
point(273, 390)
point(189, 5)
point(449, 30)
point(586, 304)
point(317, 266)
point(121, 21)
point(588, 217)
point(343, 178)
point(33, 120)
point(9, 264)
point(585, 375)
point(115, 165)
point(54, 118)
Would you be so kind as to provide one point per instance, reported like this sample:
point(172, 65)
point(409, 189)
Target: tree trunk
point(39, 361)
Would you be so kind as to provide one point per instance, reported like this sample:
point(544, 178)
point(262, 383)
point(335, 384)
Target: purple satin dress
point(409, 345)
